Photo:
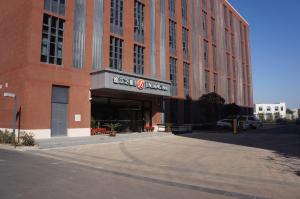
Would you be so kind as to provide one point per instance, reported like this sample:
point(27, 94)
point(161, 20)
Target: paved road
point(256, 164)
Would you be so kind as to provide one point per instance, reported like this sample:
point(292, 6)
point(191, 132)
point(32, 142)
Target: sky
point(275, 48)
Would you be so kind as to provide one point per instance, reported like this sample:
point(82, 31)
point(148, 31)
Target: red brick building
point(133, 61)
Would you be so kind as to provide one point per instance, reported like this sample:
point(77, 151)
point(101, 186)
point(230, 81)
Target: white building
point(270, 111)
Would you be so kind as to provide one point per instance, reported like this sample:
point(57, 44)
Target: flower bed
point(98, 131)
point(149, 128)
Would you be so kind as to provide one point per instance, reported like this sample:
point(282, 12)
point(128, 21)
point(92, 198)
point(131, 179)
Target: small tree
point(231, 110)
point(211, 107)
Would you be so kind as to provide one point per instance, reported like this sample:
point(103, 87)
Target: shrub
point(6, 137)
point(27, 139)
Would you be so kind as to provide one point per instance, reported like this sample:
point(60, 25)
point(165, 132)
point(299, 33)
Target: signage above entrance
point(109, 79)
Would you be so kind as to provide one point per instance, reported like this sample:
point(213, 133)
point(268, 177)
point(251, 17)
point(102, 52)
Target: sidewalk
point(58, 142)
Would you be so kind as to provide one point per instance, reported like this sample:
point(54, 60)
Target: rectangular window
point(268, 108)
point(115, 53)
point(232, 45)
point(227, 40)
point(52, 40)
point(215, 83)
point(138, 59)
point(231, 21)
point(139, 21)
point(214, 55)
point(172, 8)
point(235, 91)
point(207, 89)
point(186, 78)
point(55, 6)
point(206, 57)
point(212, 8)
point(185, 43)
point(172, 36)
point(184, 11)
point(260, 108)
point(213, 32)
point(204, 5)
point(204, 23)
point(228, 64)
point(229, 90)
point(116, 16)
point(225, 16)
point(233, 68)
point(173, 76)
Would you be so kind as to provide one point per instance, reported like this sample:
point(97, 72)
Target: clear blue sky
point(275, 42)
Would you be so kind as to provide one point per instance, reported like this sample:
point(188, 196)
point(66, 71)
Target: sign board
point(127, 82)
point(77, 117)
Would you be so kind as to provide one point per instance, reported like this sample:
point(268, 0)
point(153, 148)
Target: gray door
point(59, 111)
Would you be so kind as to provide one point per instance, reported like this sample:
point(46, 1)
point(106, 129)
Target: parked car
point(298, 121)
point(250, 121)
point(225, 123)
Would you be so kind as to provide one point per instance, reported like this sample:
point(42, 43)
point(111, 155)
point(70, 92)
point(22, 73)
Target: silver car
point(250, 121)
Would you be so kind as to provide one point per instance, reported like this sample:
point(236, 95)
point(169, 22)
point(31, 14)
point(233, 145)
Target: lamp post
point(12, 95)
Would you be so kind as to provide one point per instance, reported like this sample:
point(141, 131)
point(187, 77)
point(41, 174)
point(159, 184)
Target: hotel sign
point(139, 83)
point(115, 80)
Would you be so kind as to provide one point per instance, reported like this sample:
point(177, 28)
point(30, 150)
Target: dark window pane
point(47, 5)
point(54, 6)
point(62, 7)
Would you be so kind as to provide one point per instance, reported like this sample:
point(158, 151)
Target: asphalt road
point(256, 164)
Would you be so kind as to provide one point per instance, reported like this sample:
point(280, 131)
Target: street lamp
point(12, 95)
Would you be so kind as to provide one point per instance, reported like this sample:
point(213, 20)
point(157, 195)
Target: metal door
point(59, 113)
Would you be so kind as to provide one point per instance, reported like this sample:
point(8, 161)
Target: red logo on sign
point(140, 84)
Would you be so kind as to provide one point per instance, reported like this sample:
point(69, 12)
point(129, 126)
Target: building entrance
point(133, 115)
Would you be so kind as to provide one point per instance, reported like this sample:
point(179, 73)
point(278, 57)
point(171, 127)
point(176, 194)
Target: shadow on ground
point(282, 140)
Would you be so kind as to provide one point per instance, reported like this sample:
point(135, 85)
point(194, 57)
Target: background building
point(133, 61)
point(270, 111)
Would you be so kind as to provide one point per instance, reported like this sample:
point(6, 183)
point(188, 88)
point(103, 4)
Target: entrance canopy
point(118, 80)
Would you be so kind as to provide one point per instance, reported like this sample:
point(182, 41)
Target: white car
point(250, 121)
point(225, 123)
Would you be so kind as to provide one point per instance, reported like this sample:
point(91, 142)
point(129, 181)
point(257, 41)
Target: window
point(172, 36)
point(186, 78)
point(173, 76)
point(232, 45)
point(268, 108)
point(205, 25)
point(115, 53)
point(215, 83)
point(225, 16)
point(229, 90)
point(116, 16)
point(260, 108)
point(213, 32)
point(204, 5)
point(185, 43)
point(235, 91)
point(227, 40)
point(231, 21)
point(55, 6)
point(52, 40)
point(212, 7)
point(214, 56)
point(139, 21)
point(233, 68)
point(276, 108)
point(172, 7)
point(207, 81)
point(184, 11)
point(282, 108)
point(228, 64)
point(138, 59)
point(206, 54)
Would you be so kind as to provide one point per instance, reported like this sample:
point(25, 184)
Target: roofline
point(237, 12)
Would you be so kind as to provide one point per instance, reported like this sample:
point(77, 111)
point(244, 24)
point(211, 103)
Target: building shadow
point(283, 140)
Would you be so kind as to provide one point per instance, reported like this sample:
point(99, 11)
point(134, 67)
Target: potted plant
point(112, 127)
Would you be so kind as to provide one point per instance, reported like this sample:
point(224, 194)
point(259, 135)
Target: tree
point(211, 106)
point(231, 110)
